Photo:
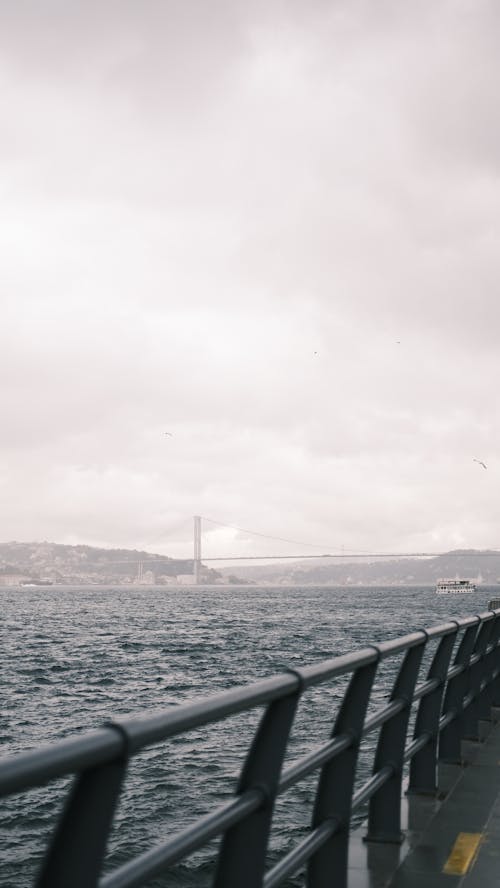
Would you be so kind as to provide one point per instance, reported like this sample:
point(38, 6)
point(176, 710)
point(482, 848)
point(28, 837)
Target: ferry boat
point(452, 587)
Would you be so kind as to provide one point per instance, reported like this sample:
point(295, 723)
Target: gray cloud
point(272, 230)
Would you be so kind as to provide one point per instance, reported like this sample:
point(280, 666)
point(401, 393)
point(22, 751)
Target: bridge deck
point(450, 841)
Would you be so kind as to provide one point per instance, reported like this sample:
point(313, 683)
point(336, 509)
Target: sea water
point(75, 657)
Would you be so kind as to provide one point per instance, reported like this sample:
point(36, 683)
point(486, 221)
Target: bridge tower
point(197, 548)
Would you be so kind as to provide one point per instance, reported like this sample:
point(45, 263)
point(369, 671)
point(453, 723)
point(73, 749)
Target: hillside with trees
point(483, 565)
point(60, 563)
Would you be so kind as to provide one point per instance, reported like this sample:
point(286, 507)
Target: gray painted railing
point(457, 692)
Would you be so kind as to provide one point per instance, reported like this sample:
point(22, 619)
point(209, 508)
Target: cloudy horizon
point(270, 230)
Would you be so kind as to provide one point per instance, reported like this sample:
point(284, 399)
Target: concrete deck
point(451, 840)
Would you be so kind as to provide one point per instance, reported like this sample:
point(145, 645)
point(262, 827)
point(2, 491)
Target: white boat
point(452, 587)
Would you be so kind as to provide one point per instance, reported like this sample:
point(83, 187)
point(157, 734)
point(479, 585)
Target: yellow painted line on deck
point(462, 854)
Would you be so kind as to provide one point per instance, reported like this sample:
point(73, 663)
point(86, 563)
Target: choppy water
point(73, 658)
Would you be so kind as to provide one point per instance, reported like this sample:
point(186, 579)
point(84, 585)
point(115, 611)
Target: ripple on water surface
point(75, 657)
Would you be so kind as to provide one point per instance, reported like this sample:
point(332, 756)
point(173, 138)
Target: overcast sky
point(272, 230)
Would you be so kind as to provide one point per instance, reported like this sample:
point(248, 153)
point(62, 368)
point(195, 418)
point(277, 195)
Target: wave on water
point(78, 656)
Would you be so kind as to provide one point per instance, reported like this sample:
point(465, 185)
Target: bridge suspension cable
point(266, 536)
point(351, 555)
point(326, 553)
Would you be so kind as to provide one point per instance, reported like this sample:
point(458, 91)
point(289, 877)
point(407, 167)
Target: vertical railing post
point(490, 663)
point(384, 817)
point(495, 665)
point(242, 855)
point(423, 767)
point(450, 737)
point(335, 786)
point(78, 847)
point(473, 712)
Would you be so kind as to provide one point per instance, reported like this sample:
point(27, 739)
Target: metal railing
point(461, 685)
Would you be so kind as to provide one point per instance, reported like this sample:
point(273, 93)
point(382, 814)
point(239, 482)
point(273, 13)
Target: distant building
point(12, 579)
point(146, 578)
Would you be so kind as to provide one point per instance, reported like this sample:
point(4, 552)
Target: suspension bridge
point(334, 552)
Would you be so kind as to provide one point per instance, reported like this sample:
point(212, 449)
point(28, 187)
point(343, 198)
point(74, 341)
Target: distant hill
point(60, 563)
point(88, 564)
point(473, 563)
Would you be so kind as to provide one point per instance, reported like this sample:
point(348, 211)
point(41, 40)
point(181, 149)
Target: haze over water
point(76, 657)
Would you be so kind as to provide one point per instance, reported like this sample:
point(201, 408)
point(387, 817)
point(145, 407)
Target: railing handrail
point(451, 699)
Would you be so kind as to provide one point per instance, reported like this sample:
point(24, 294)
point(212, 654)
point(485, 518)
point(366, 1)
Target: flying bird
point(170, 435)
point(480, 462)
